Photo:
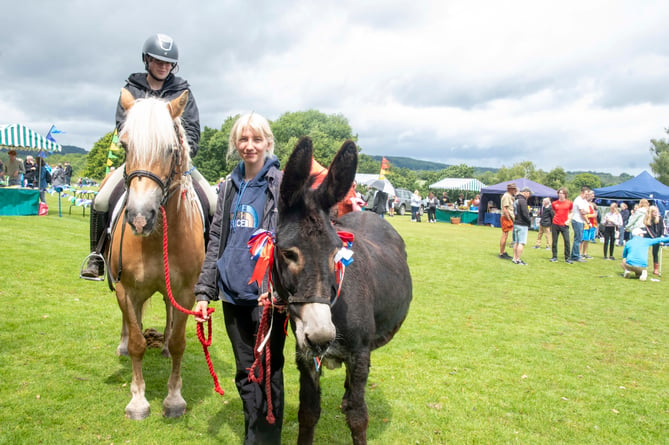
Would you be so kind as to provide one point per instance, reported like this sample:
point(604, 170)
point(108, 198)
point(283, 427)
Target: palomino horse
point(336, 321)
point(157, 157)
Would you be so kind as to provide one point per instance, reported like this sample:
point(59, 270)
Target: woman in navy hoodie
point(248, 202)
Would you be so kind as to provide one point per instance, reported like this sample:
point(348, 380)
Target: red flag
point(385, 165)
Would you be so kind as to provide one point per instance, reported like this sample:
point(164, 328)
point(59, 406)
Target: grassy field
point(491, 352)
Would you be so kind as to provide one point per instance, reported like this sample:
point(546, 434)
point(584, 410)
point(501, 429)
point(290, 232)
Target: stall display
point(18, 201)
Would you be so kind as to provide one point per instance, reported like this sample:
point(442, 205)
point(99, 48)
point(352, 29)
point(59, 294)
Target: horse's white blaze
point(314, 323)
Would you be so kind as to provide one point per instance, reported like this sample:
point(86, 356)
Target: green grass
point(490, 353)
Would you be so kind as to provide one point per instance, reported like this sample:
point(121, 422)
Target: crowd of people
point(636, 229)
point(34, 173)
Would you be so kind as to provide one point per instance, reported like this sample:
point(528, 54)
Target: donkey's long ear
point(296, 173)
point(340, 176)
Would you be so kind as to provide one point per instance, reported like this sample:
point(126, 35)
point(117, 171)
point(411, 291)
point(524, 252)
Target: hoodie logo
point(245, 217)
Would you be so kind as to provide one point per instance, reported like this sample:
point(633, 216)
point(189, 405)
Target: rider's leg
point(99, 220)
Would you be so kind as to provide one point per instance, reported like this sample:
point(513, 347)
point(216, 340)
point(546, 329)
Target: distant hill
point(418, 165)
point(411, 164)
point(72, 149)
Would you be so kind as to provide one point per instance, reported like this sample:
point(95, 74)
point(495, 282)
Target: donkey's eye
point(291, 255)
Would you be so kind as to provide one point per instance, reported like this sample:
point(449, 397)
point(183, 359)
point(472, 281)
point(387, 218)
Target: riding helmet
point(161, 47)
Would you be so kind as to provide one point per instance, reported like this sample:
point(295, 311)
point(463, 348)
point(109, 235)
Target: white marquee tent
point(464, 184)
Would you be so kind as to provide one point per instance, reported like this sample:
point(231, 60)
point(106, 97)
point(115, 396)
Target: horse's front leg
point(310, 401)
point(139, 407)
point(122, 348)
point(174, 404)
point(353, 404)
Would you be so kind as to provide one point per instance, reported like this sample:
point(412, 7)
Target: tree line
point(330, 131)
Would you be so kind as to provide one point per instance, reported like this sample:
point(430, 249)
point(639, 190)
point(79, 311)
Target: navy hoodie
point(235, 266)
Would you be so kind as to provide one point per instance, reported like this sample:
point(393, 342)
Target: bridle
point(164, 184)
point(264, 250)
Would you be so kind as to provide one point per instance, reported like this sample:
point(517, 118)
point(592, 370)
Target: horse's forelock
point(149, 132)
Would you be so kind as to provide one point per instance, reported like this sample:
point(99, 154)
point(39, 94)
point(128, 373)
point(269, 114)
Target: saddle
point(117, 200)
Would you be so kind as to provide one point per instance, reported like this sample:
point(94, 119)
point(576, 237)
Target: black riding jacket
point(172, 88)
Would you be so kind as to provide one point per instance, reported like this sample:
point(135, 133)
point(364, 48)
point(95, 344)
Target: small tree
point(660, 163)
point(96, 161)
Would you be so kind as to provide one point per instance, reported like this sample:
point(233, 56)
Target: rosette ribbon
point(343, 258)
point(261, 246)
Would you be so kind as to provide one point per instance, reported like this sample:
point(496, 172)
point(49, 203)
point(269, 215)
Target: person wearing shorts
point(589, 233)
point(506, 220)
point(521, 225)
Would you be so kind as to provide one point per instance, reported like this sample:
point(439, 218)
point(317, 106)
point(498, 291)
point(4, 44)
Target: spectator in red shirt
point(562, 208)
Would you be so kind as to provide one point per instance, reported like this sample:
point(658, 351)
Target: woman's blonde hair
point(257, 124)
point(652, 216)
point(644, 203)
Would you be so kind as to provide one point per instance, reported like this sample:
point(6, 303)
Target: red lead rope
point(200, 328)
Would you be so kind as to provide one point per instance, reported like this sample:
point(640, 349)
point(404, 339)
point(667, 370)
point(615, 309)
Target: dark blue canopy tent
point(640, 187)
point(494, 193)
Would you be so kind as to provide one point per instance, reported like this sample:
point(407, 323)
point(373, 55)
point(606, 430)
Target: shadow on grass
point(197, 383)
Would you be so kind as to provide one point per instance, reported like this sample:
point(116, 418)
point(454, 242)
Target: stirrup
point(87, 260)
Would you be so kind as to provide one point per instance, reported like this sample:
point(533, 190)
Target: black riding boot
point(95, 268)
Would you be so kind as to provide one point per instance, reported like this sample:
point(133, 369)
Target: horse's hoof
point(122, 352)
point(137, 414)
point(174, 411)
point(166, 353)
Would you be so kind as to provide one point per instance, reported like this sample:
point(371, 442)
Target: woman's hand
point(201, 308)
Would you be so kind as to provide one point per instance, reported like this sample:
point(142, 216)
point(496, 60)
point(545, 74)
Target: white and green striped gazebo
point(20, 137)
point(464, 184)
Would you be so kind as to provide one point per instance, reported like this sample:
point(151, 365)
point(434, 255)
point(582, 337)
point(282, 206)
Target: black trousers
point(241, 323)
point(609, 239)
point(564, 230)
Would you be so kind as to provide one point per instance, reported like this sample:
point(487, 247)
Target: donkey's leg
point(168, 326)
point(174, 404)
point(310, 402)
point(139, 407)
point(353, 404)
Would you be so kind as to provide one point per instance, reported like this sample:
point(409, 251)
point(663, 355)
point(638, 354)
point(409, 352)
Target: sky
point(580, 85)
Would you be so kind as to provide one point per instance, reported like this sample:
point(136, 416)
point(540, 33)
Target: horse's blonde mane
point(149, 133)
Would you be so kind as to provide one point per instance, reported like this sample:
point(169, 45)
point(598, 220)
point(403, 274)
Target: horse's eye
point(291, 255)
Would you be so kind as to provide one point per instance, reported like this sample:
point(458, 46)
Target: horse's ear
point(340, 176)
point(127, 100)
point(297, 171)
point(178, 105)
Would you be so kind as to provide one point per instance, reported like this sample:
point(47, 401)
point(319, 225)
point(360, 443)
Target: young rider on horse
point(160, 56)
